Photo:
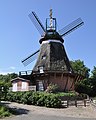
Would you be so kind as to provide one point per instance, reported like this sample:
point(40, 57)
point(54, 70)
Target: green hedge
point(43, 98)
point(35, 98)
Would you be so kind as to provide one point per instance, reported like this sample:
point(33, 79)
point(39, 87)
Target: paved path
point(29, 112)
point(45, 117)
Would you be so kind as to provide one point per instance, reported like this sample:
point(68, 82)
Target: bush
point(53, 101)
point(82, 96)
point(52, 88)
point(25, 97)
point(10, 96)
point(35, 98)
point(4, 112)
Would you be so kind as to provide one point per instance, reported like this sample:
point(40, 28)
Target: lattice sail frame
point(63, 32)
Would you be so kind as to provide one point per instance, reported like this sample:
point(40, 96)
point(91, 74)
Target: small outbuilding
point(20, 84)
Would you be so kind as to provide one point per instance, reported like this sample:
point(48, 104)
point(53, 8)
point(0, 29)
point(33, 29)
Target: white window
point(14, 87)
point(24, 85)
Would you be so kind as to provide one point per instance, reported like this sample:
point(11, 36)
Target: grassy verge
point(4, 111)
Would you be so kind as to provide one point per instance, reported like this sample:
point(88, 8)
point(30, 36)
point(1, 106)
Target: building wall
point(64, 82)
point(20, 85)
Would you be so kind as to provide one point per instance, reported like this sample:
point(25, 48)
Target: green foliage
point(79, 67)
point(87, 86)
point(70, 93)
point(5, 83)
point(35, 98)
point(53, 101)
point(52, 88)
point(8, 77)
point(3, 90)
point(42, 98)
point(93, 75)
point(82, 87)
point(25, 97)
point(4, 112)
point(10, 96)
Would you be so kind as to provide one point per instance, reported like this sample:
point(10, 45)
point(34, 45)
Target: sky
point(19, 37)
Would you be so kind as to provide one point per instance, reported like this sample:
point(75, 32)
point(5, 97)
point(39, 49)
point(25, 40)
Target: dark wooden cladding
point(55, 58)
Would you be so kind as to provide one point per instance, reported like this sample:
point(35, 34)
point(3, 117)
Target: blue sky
point(19, 38)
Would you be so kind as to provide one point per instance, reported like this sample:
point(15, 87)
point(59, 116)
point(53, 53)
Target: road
point(44, 117)
point(29, 112)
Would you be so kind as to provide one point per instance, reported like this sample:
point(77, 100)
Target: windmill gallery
point(52, 64)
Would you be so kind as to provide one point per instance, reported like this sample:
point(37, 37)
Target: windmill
point(52, 63)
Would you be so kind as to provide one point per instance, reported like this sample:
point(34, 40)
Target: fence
point(76, 103)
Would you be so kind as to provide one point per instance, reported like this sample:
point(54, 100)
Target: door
point(40, 86)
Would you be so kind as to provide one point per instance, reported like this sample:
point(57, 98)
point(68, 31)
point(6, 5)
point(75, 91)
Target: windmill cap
point(51, 34)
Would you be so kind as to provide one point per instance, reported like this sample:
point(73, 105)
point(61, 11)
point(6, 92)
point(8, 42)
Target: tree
point(93, 73)
point(5, 83)
point(88, 85)
point(79, 67)
point(84, 86)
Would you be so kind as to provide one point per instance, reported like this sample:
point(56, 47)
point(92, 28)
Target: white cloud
point(3, 73)
point(12, 67)
point(9, 70)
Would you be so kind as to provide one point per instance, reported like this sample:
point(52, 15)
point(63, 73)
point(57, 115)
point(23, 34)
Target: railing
point(76, 103)
point(28, 72)
point(28, 88)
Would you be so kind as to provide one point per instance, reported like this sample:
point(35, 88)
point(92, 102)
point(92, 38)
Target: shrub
point(25, 97)
point(4, 112)
point(35, 98)
point(53, 101)
point(82, 96)
point(41, 101)
point(52, 88)
point(10, 96)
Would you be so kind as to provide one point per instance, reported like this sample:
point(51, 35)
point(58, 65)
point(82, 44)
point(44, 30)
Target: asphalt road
point(32, 116)
point(29, 112)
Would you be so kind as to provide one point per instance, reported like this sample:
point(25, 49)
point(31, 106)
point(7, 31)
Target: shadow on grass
point(14, 110)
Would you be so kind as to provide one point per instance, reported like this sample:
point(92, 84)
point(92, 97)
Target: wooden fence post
point(67, 103)
point(84, 103)
point(76, 103)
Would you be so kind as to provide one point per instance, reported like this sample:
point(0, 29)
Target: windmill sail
point(30, 58)
point(72, 26)
point(37, 23)
point(50, 35)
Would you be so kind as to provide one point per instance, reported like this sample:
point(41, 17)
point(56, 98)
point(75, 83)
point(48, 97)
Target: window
point(24, 85)
point(41, 69)
point(14, 87)
point(44, 57)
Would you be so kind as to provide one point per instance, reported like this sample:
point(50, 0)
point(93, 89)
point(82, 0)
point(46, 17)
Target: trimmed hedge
point(43, 98)
point(35, 98)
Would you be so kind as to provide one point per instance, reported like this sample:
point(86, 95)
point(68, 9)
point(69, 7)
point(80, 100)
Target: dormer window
point(43, 57)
